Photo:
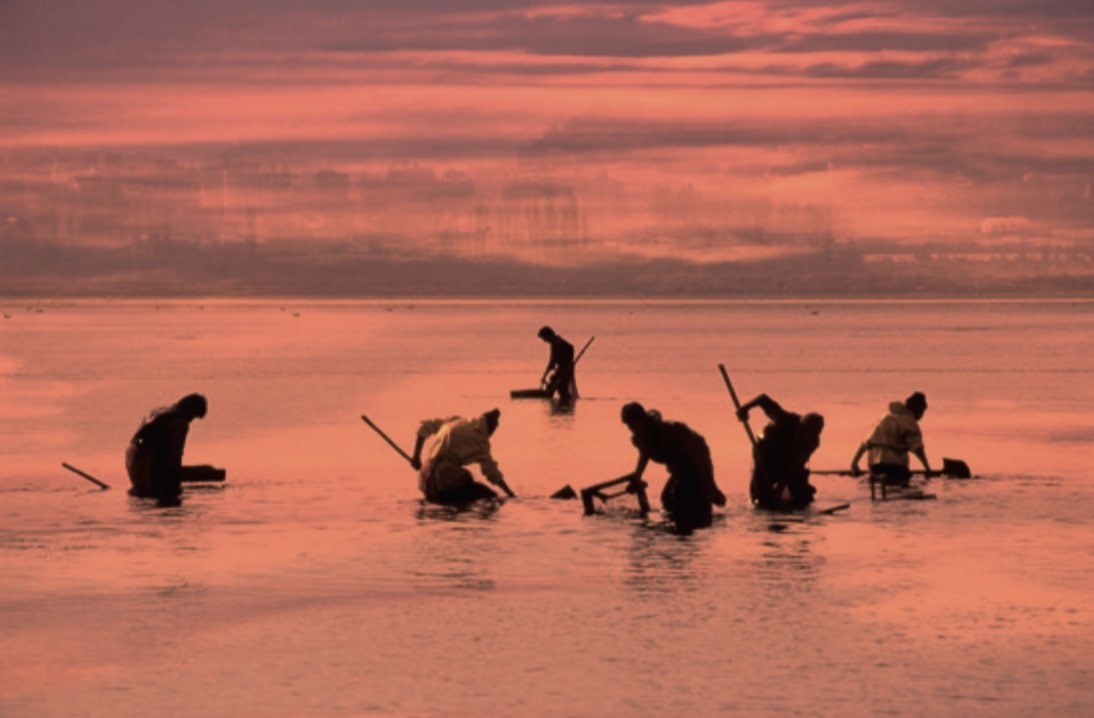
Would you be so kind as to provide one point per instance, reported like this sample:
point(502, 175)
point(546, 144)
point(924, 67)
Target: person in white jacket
point(456, 443)
point(895, 437)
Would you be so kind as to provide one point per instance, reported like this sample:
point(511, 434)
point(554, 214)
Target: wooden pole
point(89, 477)
point(737, 403)
point(573, 375)
point(757, 457)
point(952, 468)
point(582, 352)
point(388, 439)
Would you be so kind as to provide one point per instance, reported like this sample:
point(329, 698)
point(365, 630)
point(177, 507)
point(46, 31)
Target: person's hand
point(742, 414)
point(855, 470)
point(635, 484)
point(416, 463)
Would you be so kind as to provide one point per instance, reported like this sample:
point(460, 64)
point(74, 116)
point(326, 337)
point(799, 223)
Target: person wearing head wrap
point(153, 460)
point(896, 435)
point(780, 476)
point(457, 442)
point(559, 374)
point(690, 491)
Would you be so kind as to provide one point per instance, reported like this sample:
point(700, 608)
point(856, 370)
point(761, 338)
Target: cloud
point(890, 69)
point(929, 113)
point(1004, 225)
point(89, 39)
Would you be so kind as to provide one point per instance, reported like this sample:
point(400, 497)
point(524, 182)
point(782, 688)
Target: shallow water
point(315, 583)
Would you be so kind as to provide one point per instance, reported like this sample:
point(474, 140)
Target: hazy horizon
point(566, 136)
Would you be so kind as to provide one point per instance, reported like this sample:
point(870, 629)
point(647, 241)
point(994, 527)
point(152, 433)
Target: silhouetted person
point(780, 478)
point(690, 490)
point(894, 437)
point(154, 457)
point(559, 374)
point(457, 442)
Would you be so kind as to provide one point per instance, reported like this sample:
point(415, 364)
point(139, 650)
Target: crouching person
point(153, 460)
point(457, 442)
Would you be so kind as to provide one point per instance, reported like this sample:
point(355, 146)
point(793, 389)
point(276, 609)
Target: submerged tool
point(596, 491)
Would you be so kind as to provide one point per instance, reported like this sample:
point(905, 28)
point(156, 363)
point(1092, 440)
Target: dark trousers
point(892, 474)
point(446, 482)
point(562, 381)
point(150, 477)
point(687, 505)
point(785, 496)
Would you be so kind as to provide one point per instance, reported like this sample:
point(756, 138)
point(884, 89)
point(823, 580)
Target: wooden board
point(529, 394)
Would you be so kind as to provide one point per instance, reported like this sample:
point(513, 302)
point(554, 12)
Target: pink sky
point(911, 119)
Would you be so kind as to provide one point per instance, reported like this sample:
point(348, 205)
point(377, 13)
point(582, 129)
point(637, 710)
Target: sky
point(907, 121)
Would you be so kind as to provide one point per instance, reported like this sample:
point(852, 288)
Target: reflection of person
point(456, 443)
point(780, 479)
point(154, 457)
point(690, 489)
point(894, 437)
point(559, 374)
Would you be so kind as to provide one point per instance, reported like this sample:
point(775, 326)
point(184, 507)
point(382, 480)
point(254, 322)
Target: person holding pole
point(153, 459)
point(690, 491)
point(457, 442)
point(780, 477)
point(896, 435)
point(559, 374)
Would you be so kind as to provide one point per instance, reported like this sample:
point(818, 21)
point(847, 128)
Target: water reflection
point(786, 562)
point(559, 411)
point(661, 562)
point(487, 510)
point(453, 547)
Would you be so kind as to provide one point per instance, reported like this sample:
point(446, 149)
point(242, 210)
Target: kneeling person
point(457, 442)
point(153, 460)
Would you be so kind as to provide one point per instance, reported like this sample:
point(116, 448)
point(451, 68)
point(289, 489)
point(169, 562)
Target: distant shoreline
point(177, 300)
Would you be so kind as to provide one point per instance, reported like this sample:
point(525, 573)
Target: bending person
point(894, 437)
point(559, 374)
point(690, 490)
point(154, 457)
point(780, 477)
point(456, 443)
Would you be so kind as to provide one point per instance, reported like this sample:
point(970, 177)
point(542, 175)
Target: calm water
point(314, 583)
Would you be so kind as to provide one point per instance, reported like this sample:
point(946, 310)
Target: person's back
point(164, 432)
point(562, 352)
point(153, 460)
point(684, 449)
point(462, 440)
point(775, 446)
point(895, 435)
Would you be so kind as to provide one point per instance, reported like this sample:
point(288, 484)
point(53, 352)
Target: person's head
point(634, 415)
point(917, 404)
point(193, 405)
point(546, 333)
point(490, 420)
point(813, 425)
